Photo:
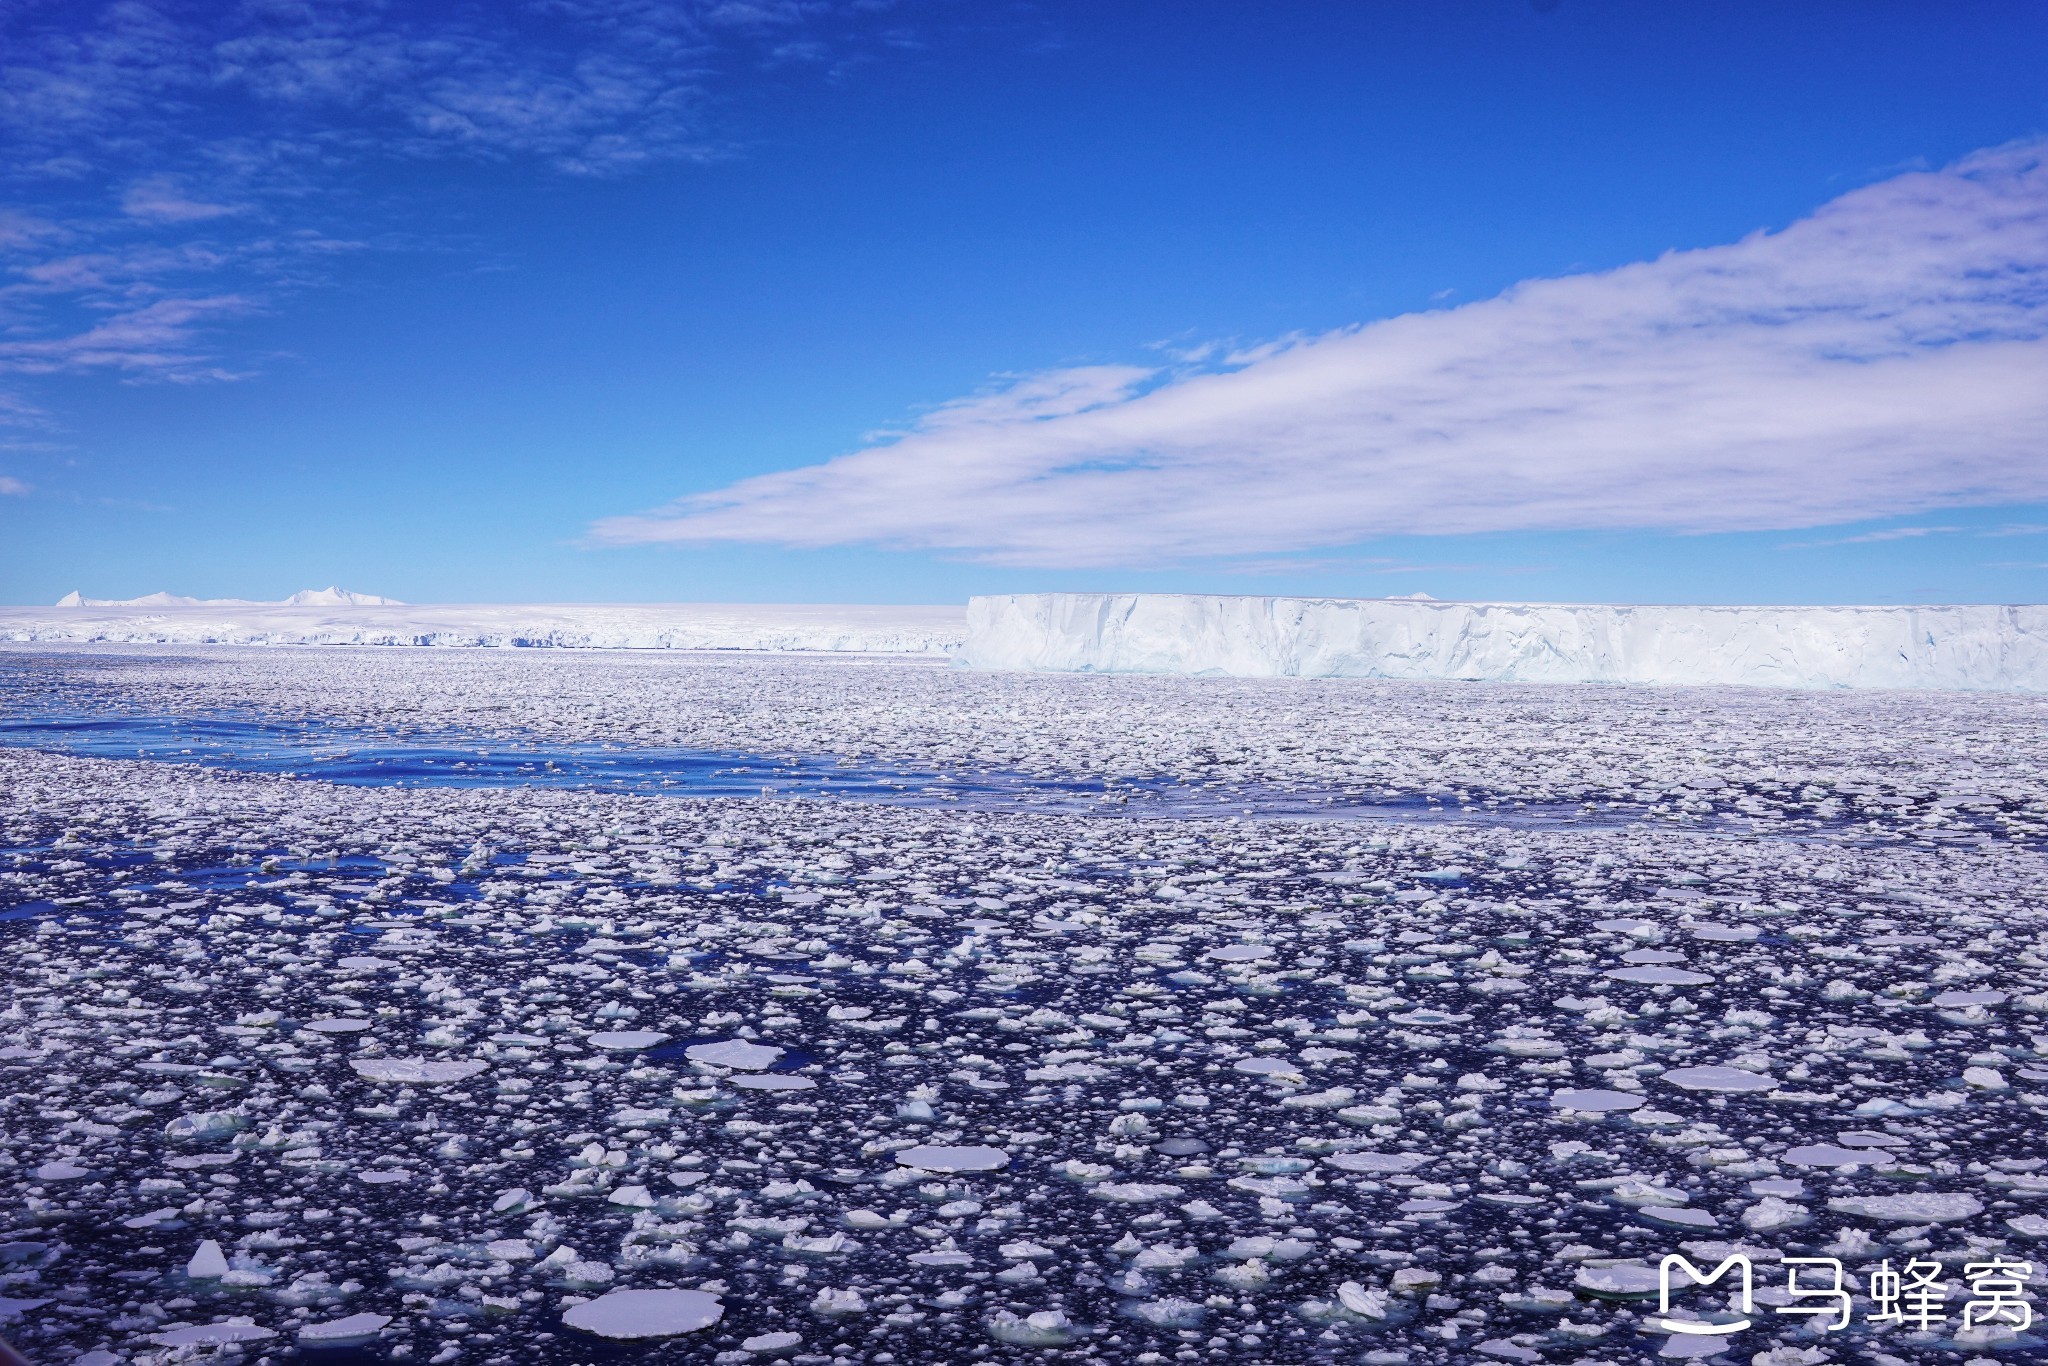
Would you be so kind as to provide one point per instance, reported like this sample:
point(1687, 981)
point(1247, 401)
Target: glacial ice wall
point(594, 626)
point(1953, 647)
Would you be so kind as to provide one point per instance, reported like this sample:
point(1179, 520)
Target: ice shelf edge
point(1961, 647)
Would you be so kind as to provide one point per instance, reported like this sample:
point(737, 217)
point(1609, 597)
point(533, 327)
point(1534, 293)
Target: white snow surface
point(336, 617)
point(1948, 647)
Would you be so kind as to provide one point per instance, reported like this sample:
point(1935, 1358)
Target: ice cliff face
point(1959, 647)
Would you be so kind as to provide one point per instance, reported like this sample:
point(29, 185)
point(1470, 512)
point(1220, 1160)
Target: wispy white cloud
point(1883, 357)
point(156, 340)
point(1896, 533)
point(12, 488)
point(163, 199)
point(149, 144)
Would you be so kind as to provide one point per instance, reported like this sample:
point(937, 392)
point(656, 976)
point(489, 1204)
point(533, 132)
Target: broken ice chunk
point(1377, 1163)
point(737, 1054)
point(208, 1263)
point(418, 1071)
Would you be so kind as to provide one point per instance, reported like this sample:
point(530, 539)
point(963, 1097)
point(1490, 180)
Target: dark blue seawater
point(362, 758)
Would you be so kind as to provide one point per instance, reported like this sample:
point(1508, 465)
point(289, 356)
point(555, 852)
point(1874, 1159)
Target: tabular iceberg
point(1954, 647)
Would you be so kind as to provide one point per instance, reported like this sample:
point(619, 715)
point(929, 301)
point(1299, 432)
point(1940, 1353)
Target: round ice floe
point(418, 1071)
point(1639, 956)
point(60, 1170)
point(737, 1054)
point(353, 1331)
point(363, 962)
point(1970, 998)
point(1391, 1164)
point(1267, 1067)
point(1827, 1155)
point(1241, 953)
point(340, 1025)
point(213, 1334)
point(1594, 1100)
point(628, 1040)
point(1732, 1080)
point(1925, 1207)
point(629, 1314)
point(772, 1081)
point(1659, 976)
point(772, 1342)
point(1726, 934)
point(1864, 1138)
point(931, 1158)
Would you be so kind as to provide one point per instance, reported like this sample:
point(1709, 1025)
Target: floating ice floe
point(737, 1054)
point(418, 1071)
point(1724, 1080)
point(628, 1040)
point(1595, 1100)
point(1829, 1155)
point(1921, 1207)
point(223, 1334)
point(936, 1158)
point(1660, 976)
point(1970, 998)
point(628, 1315)
point(355, 1330)
point(1378, 1164)
point(772, 1081)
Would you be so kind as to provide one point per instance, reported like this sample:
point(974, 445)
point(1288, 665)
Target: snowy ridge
point(305, 597)
point(593, 626)
point(1958, 647)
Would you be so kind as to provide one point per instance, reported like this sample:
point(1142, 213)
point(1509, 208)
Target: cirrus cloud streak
point(1886, 355)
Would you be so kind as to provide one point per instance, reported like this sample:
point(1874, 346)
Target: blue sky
point(907, 301)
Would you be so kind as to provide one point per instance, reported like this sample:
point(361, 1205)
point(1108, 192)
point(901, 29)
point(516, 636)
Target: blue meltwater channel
point(308, 749)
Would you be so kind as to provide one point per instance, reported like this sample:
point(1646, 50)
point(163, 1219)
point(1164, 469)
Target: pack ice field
point(466, 1006)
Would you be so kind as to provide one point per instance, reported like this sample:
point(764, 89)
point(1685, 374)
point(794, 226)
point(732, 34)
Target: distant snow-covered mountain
point(305, 597)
